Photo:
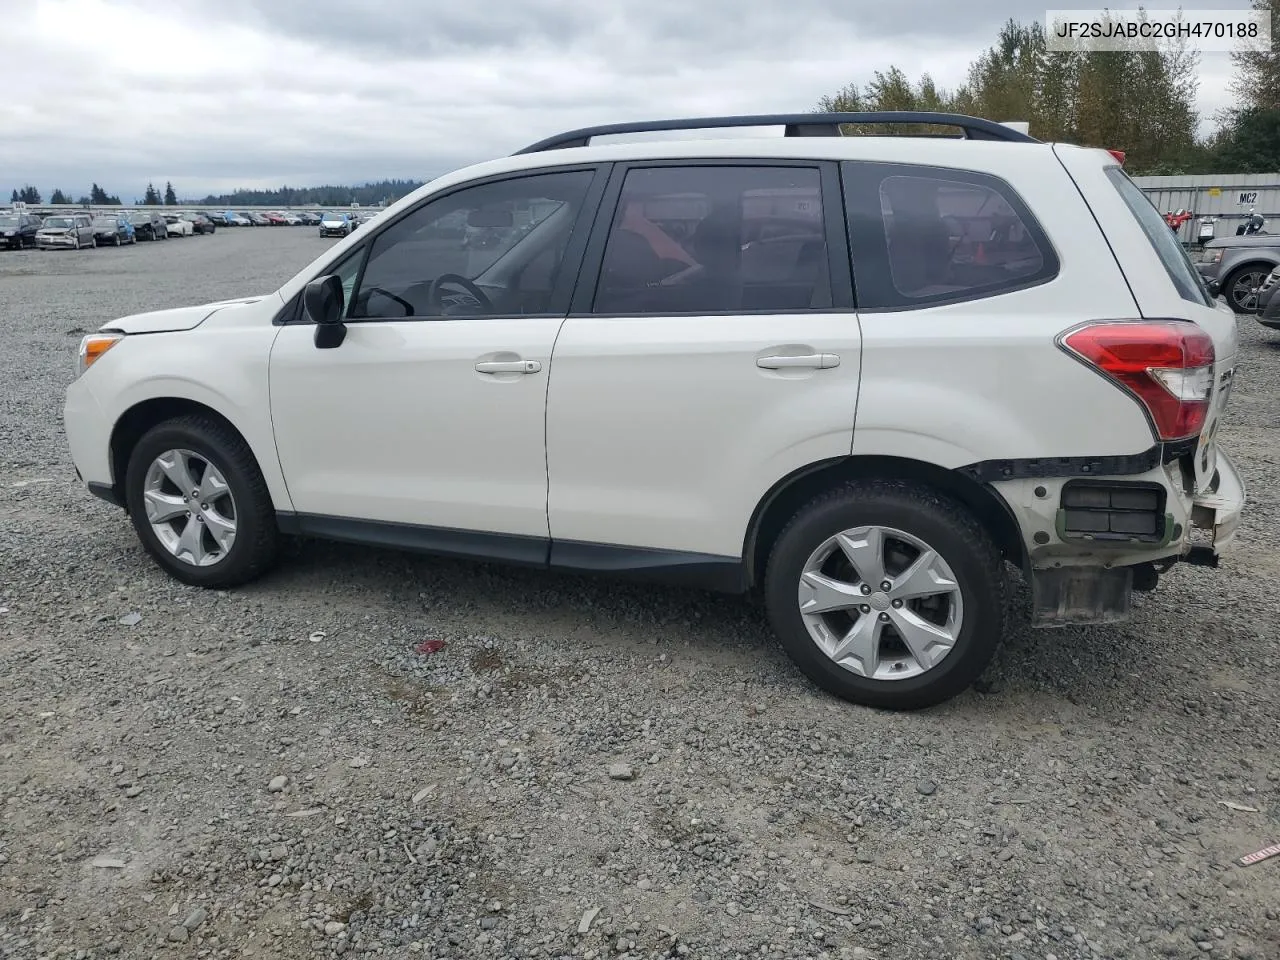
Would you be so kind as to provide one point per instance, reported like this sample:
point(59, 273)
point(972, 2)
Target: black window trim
point(293, 314)
point(862, 179)
point(839, 272)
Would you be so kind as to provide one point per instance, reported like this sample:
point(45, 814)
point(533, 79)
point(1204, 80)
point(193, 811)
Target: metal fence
point(1224, 199)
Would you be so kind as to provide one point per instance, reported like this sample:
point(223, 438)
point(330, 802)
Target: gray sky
point(219, 94)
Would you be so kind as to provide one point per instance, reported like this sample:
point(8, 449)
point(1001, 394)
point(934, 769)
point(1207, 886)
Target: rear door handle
point(508, 366)
point(815, 361)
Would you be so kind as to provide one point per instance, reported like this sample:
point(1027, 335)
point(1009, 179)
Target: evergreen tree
point(1142, 102)
point(151, 198)
point(170, 198)
point(1256, 84)
point(59, 197)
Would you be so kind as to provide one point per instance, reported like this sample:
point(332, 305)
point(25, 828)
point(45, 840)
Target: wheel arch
point(790, 493)
point(1267, 264)
point(142, 416)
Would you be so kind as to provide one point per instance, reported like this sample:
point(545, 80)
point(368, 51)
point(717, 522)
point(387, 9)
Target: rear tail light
point(1118, 154)
point(1167, 365)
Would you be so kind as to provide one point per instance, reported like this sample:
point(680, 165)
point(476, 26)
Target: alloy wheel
point(881, 603)
point(1244, 290)
point(190, 507)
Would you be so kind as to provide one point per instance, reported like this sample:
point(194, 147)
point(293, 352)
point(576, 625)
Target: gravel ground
point(283, 771)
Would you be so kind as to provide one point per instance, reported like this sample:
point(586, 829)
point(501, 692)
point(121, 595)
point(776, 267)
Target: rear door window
point(717, 239)
point(925, 236)
point(1172, 255)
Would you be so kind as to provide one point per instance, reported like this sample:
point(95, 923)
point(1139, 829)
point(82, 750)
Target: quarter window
point(1173, 257)
point(494, 249)
point(716, 239)
point(925, 236)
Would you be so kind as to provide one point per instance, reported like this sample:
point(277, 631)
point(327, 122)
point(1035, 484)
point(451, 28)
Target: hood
point(1251, 240)
point(54, 230)
point(172, 321)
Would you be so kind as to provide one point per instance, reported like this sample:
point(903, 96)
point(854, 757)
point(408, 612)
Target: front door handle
point(815, 361)
point(508, 366)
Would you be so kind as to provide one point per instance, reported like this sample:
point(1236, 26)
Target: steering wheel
point(435, 293)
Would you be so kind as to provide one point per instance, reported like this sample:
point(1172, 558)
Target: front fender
point(236, 389)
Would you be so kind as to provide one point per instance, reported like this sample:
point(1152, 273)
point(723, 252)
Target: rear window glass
point(1172, 254)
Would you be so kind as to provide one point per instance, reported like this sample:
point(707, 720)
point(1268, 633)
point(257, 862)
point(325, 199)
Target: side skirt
point(677, 568)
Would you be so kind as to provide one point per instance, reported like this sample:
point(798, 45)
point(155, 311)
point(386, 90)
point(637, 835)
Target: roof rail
point(796, 124)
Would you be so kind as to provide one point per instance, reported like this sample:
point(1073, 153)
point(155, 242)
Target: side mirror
point(323, 300)
point(1215, 287)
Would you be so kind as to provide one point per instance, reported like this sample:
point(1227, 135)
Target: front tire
point(199, 503)
point(887, 594)
point(1241, 287)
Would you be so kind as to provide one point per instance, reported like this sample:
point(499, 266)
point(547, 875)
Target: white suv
point(855, 374)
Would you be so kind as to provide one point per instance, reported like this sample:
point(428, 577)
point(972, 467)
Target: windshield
point(1177, 264)
point(59, 222)
point(104, 221)
point(8, 221)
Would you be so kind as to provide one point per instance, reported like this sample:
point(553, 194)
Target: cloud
point(215, 94)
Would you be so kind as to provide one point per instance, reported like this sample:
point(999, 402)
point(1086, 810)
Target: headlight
point(1213, 255)
point(93, 346)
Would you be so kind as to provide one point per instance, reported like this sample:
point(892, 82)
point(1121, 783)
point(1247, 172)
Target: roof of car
point(934, 151)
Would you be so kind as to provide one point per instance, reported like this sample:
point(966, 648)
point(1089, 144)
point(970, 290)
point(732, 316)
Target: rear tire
point(253, 549)
point(961, 597)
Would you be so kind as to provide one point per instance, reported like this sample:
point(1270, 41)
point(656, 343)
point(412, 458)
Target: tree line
point(367, 195)
point(1141, 102)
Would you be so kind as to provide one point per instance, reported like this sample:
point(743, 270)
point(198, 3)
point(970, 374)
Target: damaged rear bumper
point(1079, 577)
point(1215, 515)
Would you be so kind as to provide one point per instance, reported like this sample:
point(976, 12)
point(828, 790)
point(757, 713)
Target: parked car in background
point(233, 219)
point(72, 231)
point(276, 219)
point(335, 224)
point(217, 219)
point(255, 219)
point(113, 230)
point(1239, 265)
point(148, 225)
point(309, 218)
point(1269, 301)
point(18, 230)
point(177, 226)
point(199, 222)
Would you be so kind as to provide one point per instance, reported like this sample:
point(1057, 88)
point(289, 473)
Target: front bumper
point(1269, 315)
point(88, 435)
point(60, 240)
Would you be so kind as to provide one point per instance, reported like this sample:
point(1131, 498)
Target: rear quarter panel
point(983, 379)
